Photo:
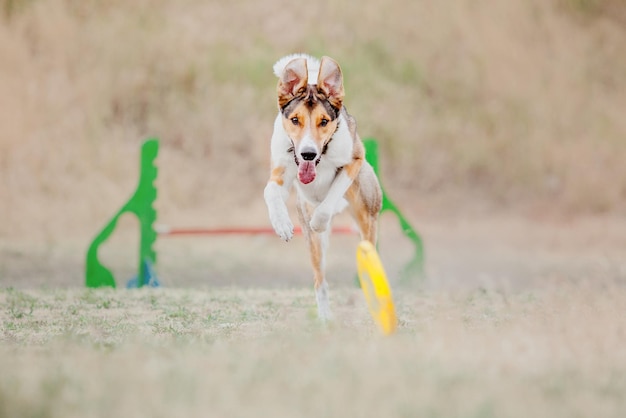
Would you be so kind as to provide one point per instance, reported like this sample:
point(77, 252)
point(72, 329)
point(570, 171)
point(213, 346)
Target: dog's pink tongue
point(306, 171)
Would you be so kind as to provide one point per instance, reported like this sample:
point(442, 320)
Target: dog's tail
point(312, 63)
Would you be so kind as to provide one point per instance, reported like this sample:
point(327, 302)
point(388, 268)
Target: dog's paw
point(324, 313)
point(282, 226)
point(320, 221)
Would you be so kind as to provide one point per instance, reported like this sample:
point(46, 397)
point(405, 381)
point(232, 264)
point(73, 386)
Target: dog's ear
point(294, 77)
point(330, 81)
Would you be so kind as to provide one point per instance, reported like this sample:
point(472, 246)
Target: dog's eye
point(323, 122)
point(295, 121)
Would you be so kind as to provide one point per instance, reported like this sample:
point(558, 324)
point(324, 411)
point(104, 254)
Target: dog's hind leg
point(317, 244)
point(365, 200)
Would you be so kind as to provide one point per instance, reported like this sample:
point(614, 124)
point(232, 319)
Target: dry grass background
point(517, 105)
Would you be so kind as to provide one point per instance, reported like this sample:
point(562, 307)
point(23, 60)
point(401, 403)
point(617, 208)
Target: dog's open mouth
point(306, 171)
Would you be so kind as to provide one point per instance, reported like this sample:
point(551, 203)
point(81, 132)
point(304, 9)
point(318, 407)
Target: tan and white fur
point(315, 147)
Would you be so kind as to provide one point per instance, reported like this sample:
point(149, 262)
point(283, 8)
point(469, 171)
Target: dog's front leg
point(276, 193)
point(317, 245)
point(320, 221)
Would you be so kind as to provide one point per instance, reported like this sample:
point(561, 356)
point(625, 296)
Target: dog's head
point(310, 111)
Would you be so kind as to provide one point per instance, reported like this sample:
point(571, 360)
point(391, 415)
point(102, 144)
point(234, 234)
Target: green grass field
point(556, 351)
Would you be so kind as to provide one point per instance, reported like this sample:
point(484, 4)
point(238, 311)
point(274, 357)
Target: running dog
point(315, 146)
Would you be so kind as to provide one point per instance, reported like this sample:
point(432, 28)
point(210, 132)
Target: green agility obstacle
point(415, 267)
point(142, 205)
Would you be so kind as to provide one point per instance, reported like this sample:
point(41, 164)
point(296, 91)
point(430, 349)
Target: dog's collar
point(325, 148)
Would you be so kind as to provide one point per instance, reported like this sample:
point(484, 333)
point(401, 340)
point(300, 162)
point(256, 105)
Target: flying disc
point(375, 287)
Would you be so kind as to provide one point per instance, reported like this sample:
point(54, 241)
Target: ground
point(514, 318)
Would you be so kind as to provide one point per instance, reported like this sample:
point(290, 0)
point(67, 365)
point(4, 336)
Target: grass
point(550, 351)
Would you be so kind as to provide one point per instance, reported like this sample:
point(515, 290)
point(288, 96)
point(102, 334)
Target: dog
point(315, 147)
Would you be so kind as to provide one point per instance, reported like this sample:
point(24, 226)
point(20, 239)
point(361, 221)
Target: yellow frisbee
point(375, 287)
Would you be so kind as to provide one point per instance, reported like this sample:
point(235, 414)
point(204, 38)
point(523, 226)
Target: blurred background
point(481, 108)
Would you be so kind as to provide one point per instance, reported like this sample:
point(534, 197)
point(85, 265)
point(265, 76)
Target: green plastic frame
point(142, 205)
point(415, 267)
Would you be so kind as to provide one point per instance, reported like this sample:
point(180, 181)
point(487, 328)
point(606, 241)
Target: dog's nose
point(308, 155)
